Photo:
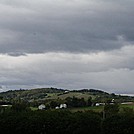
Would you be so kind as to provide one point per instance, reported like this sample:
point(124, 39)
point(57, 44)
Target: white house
point(57, 107)
point(66, 91)
point(63, 105)
point(97, 104)
point(41, 107)
point(112, 101)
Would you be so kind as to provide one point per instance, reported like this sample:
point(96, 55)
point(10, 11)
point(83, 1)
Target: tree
point(89, 101)
point(19, 107)
point(111, 109)
point(53, 104)
point(75, 102)
point(118, 124)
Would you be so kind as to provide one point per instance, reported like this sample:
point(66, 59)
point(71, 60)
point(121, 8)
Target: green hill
point(48, 94)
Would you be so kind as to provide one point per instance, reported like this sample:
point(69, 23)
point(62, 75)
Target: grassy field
point(34, 108)
point(127, 106)
point(63, 96)
point(94, 108)
point(99, 108)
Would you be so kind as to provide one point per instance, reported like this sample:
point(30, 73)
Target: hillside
point(48, 94)
point(40, 93)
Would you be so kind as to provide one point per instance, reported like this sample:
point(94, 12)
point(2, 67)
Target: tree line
point(20, 119)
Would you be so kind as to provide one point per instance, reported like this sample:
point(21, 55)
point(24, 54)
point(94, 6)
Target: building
point(63, 105)
point(41, 107)
point(99, 104)
point(57, 107)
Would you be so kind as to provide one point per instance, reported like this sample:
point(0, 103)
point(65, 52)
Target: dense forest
point(20, 119)
point(17, 116)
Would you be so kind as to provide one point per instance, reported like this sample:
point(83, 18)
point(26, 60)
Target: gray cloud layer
point(62, 25)
point(112, 71)
point(67, 43)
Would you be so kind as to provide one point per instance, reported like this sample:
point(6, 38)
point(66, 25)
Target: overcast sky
point(69, 44)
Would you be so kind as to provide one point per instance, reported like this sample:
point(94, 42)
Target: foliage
point(111, 109)
point(50, 122)
point(119, 124)
point(65, 122)
point(75, 102)
point(19, 107)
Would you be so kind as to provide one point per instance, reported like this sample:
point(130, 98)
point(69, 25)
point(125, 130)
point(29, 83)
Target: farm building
point(41, 107)
point(63, 105)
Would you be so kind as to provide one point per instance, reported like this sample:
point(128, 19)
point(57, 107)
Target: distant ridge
point(91, 91)
point(47, 94)
point(54, 90)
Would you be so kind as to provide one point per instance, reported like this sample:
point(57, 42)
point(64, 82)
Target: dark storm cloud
point(69, 26)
